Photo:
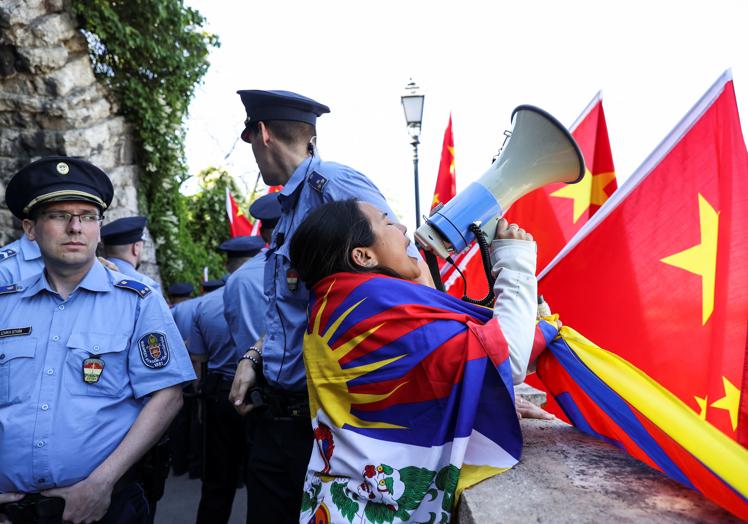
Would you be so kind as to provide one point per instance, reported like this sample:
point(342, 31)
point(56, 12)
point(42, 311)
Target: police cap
point(212, 285)
point(244, 246)
point(180, 289)
point(123, 231)
point(279, 105)
point(266, 208)
point(54, 179)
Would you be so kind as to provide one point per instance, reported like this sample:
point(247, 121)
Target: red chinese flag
point(554, 213)
point(239, 224)
point(445, 181)
point(660, 275)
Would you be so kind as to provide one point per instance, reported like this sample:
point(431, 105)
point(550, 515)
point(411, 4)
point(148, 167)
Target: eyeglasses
point(63, 217)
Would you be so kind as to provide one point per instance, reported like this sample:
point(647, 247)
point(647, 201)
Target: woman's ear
point(363, 257)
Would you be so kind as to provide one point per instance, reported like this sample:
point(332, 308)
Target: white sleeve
point(516, 290)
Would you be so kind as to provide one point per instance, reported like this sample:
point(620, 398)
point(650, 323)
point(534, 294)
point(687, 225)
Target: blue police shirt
point(183, 314)
point(245, 304)
point(312, 184)
point(74, 373)
point(128, 269)
point(210, 334)
point(20, 260)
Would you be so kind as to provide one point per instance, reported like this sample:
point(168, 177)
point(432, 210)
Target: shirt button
point(61, 307)
point(2, 356)
point(41, 480)
point(50, 371)
point(40, 444)
point(56, 337)
point(96, 348)
point(45, 407)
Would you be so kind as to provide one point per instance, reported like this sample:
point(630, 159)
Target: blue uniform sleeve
point(197, 342)
point(157, 356)
point(353, 184)
point(245, 306)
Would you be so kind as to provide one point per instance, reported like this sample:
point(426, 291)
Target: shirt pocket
point(16, 370)
point(96, 364)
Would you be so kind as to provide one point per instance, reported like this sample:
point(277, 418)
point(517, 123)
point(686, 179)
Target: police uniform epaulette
point(317, 181)
point(133, 285)
point(10, 288)
point(7, 253)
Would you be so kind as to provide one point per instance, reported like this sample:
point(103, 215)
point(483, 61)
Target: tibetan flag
point(609, 398)
point(411, 397)
point(659, 276)
point(238, 222)
point(554, 213)
point(257, 224)
point(445, 180)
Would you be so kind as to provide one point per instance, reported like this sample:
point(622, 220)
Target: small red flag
point(445, 181)
point(239, 224)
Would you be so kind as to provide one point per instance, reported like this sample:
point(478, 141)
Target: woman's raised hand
point(507, 231)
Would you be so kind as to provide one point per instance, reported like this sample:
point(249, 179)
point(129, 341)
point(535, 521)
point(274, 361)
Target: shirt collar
point(96, 280)
point(120, 262)
point(29, 248)
point(290, 192)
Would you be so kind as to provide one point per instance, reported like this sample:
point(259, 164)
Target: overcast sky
point(652, 60)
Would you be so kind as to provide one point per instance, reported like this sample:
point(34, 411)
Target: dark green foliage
point(152, 54)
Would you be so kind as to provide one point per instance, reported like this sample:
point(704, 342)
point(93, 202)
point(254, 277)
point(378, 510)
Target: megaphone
point(539, 151)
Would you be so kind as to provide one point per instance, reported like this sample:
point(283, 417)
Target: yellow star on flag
point(590, 190)
point(701, 259)
point(451, 150)
point(702, 405)
point(730, 402)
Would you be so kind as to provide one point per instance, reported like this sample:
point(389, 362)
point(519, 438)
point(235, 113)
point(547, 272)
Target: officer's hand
point(85, 502)
point(8, 497)
point(245, 378)
point(507, 231)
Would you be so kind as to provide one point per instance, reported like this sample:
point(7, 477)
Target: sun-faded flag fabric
point(412, 400)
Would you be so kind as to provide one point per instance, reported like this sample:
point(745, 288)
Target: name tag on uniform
point(15, 332)
point(92, 370)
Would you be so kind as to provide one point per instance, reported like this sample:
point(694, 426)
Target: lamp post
point(413, 106)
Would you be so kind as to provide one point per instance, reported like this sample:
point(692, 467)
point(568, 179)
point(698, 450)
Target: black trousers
point(225, 457)
point(278, 460)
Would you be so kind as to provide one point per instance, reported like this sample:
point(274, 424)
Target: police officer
point(20, 259)
point(280, 126)
point(81, 348)
point(179, 292)
point(123, 246)
point(244, 300)
point(225, 448)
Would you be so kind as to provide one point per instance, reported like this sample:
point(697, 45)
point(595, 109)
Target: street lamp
point(413, 106)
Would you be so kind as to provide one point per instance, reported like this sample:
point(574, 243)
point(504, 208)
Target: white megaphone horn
point(539, 151)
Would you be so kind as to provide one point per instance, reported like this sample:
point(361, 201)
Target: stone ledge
point(566, 476)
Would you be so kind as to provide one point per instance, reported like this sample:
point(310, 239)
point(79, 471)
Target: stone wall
point(51, 104)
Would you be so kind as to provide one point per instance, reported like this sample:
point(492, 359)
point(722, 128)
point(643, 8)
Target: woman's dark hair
point(323, 242)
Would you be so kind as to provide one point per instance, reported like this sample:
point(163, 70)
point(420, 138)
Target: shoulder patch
point(7, 253)
point(10, 288)
point(154, 350)
point(317, 181)
point(133, 285)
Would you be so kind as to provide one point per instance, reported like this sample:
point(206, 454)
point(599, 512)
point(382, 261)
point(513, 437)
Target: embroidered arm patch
point(154, 350)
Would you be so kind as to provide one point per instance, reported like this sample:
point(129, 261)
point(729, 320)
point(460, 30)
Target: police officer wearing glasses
point(81, 347)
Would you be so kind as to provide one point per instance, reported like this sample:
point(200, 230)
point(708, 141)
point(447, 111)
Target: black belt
point(282, 405)
point(35, 508)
